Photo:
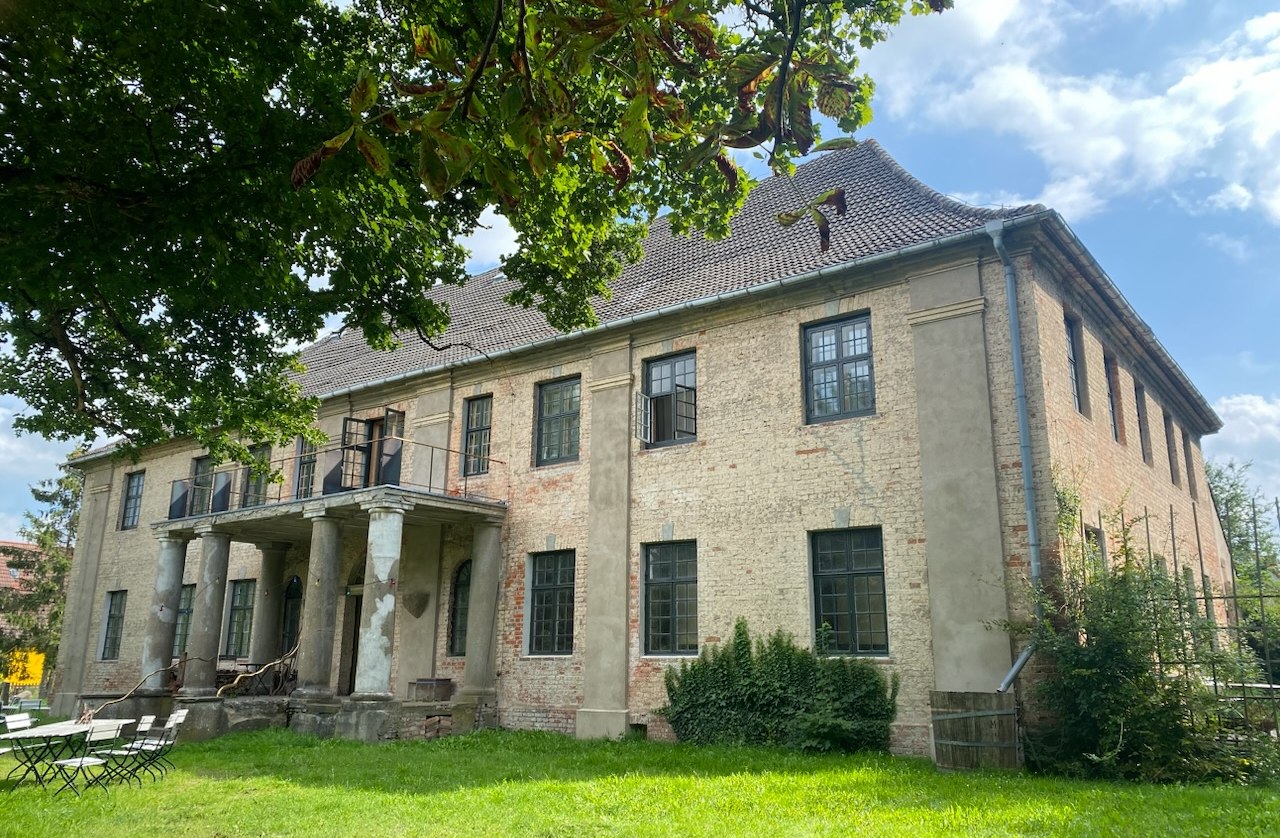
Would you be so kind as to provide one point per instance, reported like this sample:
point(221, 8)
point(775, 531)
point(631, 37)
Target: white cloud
point(1149, 8)
point(1206, 122)
point(1232, 196)
point(492, 240)
point(1233, 247)
point(1250, 433)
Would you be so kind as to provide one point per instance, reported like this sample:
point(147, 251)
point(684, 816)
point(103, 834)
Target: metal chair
point(70, 769)
point(125, 762)
point(15, 721)
point(152, 752)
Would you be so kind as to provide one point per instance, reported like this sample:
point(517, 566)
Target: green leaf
point(363, 94)
point(835, 144)
point(747, 68)
point(511, 103)
point(834, 100)
point(636, 133)
point(374, 153)
point(786, 219)
point(429, 45)
point(431, 168)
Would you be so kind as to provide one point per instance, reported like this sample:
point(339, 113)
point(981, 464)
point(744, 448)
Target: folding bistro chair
point(70, 769)
point(153, 750)
point(12, 722)
point(15, 721)
point(124, 761)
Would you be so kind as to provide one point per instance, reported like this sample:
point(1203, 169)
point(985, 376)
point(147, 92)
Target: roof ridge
point(943, 200)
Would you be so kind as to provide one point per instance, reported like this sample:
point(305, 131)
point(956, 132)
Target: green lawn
point(504, 783)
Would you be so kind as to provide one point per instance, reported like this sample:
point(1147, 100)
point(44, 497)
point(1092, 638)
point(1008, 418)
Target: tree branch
point(489, 41)
point(783, 67)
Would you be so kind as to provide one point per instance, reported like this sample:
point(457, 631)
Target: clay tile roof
point(888, 209)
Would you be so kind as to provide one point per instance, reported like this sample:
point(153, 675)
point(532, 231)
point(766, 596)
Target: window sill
point(555, 463)
point(827, 420)
point(548, 656)
point(675, 444)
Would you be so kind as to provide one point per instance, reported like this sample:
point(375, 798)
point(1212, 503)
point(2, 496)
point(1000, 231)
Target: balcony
point(342, 480)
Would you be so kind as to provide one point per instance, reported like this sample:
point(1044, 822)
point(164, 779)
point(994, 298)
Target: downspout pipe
point(995, 229)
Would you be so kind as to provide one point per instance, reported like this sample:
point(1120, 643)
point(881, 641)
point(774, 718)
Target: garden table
point(37, 748)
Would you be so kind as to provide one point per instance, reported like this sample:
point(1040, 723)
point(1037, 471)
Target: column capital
point(387, 504)
point(273, 546)
point(313, 511)
point(164, 536)
point(203, 530)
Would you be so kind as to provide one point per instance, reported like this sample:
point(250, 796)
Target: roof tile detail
point(888, 209)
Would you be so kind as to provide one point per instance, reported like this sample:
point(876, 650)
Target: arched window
point(292, 614)
point(458, 605)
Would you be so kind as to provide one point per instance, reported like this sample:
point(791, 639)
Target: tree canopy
point(191, 189)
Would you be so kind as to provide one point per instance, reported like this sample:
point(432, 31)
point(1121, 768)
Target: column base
point(602, 724)
point(371, 697)
point(205, 719)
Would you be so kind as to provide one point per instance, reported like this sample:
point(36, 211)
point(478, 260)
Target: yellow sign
point(25, 669)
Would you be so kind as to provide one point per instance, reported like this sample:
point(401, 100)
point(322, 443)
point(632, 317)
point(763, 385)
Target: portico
point(392, 524)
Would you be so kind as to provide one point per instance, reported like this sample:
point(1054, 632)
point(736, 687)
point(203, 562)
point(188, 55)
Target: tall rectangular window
point(1171, 449)
point(1144, 424)
point(1075, 366)
point(182, 620)
point(114, 625)
point(1189, 462)
point(671, 598)
point(1114, 406)
point(551, 603)
point(304, 484)
point(475, 445)
point(201, 485)
point(848, 590)
point(837, 369)
point(240, 617)
point(559, 403)
point(667, 409)
point(131, 506)
point(255, 482)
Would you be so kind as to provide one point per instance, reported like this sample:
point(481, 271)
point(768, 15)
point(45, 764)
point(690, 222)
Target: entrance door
point(357, 604)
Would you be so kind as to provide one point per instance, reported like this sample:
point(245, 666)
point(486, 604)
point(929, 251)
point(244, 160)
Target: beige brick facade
point(943, 488)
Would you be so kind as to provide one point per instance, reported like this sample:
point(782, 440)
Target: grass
point(507, 783)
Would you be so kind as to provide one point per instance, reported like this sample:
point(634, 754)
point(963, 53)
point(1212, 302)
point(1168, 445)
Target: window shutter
point(355, 452)
point(686, 411)
point(644, 422)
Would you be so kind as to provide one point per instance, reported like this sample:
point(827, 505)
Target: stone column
point(320, 607)
point(264, 645)
point(478, 676)
point(157, 645)
point(378, 610)
point(206, 614)
point(604, 643)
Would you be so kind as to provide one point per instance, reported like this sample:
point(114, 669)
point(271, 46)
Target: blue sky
point(1152, 126)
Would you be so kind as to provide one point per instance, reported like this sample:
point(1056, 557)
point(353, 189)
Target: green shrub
point(772, 692)
point(1129, 691)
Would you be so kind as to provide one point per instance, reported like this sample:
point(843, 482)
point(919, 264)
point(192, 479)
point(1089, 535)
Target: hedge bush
point(772, 692)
